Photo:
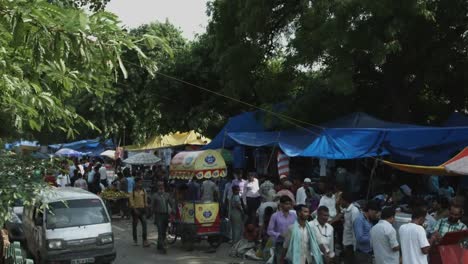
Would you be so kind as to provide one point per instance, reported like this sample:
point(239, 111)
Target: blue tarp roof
point(362, 120)
point(245, 122)
point(456, 119)
point(354, 136)
point(9, 146)
point(93, 147)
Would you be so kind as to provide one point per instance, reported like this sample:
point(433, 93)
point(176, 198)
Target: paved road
point(127, 253)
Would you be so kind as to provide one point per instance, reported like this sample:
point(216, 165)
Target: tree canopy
point(50, 55)
point(399, 60)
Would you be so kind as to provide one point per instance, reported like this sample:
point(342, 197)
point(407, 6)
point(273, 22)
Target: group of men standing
point(364, 240)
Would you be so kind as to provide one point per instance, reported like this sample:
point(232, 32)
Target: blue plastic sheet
point(354, 136)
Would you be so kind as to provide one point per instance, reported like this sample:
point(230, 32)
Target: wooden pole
point(371, 178)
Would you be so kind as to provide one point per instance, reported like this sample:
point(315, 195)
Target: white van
point(75, 228)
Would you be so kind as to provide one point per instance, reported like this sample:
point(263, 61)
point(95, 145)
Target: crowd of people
point(81, 173)
point(320, 223)
point(311, 222)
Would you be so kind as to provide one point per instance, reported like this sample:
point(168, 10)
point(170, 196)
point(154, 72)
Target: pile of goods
point(112, 194)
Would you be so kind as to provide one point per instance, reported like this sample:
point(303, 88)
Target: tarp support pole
point(273, 151)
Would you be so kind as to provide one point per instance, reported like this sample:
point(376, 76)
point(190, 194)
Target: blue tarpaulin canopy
point(246, 122)
point(355, 136)
point(91, 147)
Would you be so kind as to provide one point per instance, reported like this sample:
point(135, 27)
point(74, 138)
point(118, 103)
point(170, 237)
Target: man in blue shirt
point(130, 180)
point(362, 227)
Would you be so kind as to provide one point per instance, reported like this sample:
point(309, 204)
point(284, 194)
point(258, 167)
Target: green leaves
point(19, 180)
point(341, 56)
point(53, 53)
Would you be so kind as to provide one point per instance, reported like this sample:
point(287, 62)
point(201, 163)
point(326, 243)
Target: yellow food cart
point(202, 218)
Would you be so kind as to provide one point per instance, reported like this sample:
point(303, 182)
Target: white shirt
point(251, 189)
point(261, 210)
point(350, 214)
point(81, 169)
point(324, 235)
point(383, 240)
point(413, 238)
point(103, 173)
point(330, 203)
point(241, 183)
point(71, 170)
point(305, 240)
point(301, 196)
point(63, 180)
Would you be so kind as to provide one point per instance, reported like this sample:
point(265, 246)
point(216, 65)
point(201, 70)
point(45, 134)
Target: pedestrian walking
point(414, 244)
point(324, 233)
point(252, 197)
point(300, 244)
point(351, 212)
point(80, 182)
point(95, 185)
point(384, 239)
point(239, 181)
point(329, 200)
point(301, 195)
point(362, 227)
point(279, 224)
point(236, 215)
point(138, 204)
point(123, 187)
point(162, 206)
point(103, 174)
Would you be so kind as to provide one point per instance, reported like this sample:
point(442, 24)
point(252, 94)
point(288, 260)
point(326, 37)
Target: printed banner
point(187, 213)
point(206, 213)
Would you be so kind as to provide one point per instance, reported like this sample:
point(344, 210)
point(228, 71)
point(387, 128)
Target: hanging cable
point(289, 119)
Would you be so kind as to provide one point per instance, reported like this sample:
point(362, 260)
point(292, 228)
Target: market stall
point(200, 217)
point(114, 200)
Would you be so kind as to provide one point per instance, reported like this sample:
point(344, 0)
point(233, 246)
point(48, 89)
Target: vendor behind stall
point(452, 223)
point(209, 191)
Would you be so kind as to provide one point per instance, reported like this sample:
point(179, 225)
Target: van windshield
point(76, 213)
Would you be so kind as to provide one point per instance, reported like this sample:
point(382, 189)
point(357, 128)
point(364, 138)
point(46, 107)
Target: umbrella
point(142, 159)
point(108, 153)
point(66, 152)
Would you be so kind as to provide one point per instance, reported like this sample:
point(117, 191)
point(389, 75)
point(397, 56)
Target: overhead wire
point(294, 121)
point(291, 120)
point(281, 116)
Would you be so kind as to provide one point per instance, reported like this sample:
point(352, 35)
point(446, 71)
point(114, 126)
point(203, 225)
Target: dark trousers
point(348, 254)
point(278, 253)
point(362, 257)
point(161, 221)
point(123, 206)
point(105, 183)
point(252, 206)
point(139, 214)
